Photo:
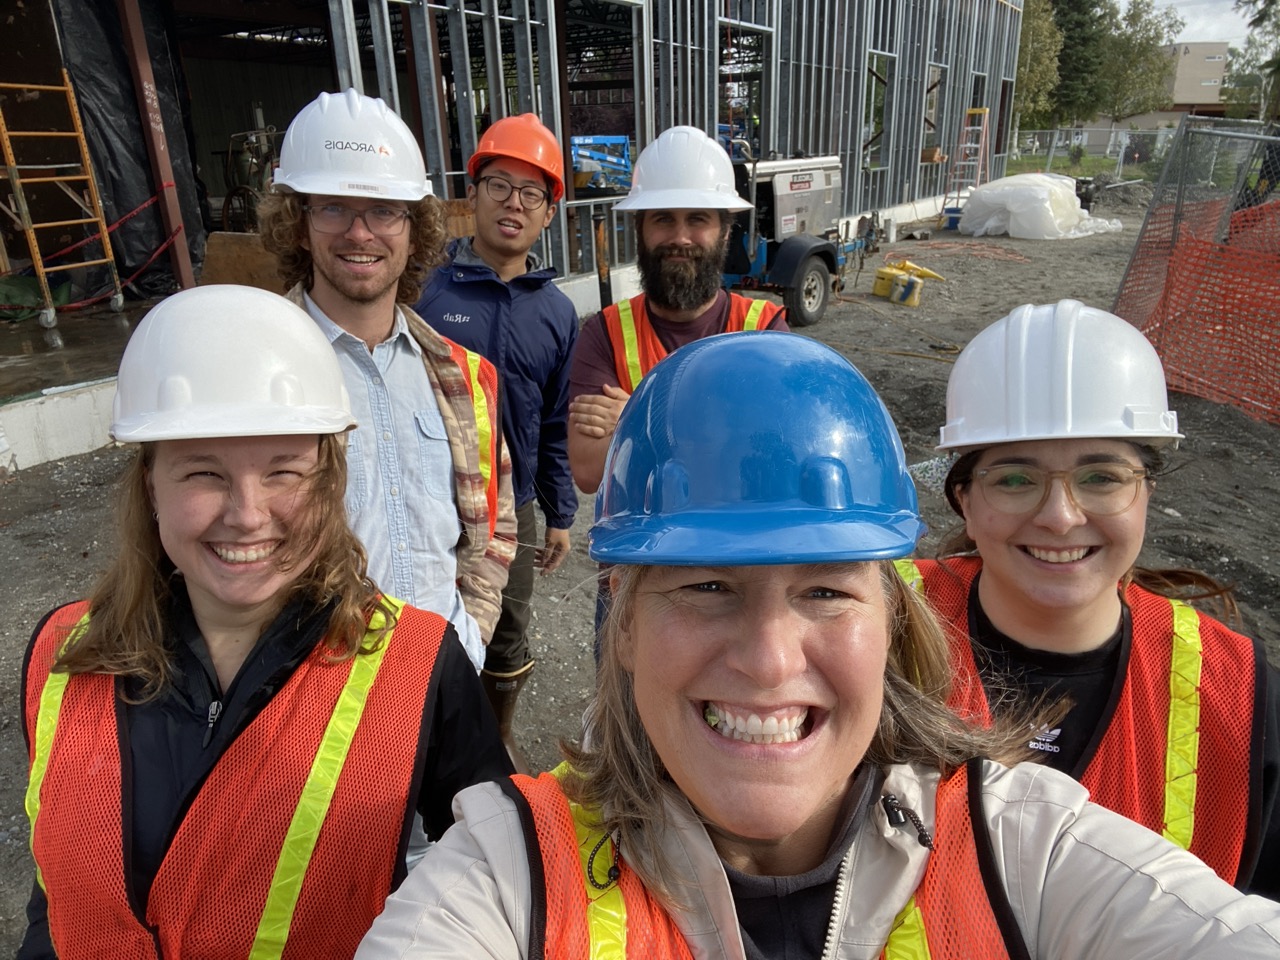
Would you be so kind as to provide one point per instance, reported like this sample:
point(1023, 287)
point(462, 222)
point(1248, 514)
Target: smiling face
point(1055, 565)
point(228, 510)
point(506, 229)
point(355, 266)
point(760, 689)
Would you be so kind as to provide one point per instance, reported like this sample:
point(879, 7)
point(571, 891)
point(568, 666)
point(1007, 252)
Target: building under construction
point(183, 101)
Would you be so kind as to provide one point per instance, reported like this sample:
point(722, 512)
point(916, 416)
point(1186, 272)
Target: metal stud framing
point(882, 83)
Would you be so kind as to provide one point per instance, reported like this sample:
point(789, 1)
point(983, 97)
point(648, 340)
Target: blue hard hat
point(755, 448)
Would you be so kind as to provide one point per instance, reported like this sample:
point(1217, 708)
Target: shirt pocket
point(435, 458)
point(357, 493)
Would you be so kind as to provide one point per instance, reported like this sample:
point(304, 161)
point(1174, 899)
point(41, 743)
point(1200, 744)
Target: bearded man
point(684, 200)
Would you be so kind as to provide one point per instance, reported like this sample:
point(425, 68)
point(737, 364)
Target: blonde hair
point(618, 772)
point(282, 225)
point(128, 625)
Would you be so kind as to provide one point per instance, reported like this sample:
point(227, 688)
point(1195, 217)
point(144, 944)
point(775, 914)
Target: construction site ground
point(1215, 509)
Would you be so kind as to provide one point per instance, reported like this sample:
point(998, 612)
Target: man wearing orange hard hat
point(494, 296)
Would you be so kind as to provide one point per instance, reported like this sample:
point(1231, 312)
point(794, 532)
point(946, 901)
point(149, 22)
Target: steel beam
point(153, 133)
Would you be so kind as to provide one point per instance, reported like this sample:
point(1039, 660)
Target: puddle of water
point(85, 346)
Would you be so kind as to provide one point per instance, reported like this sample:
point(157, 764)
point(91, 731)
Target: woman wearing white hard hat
point(770, 769)
point(230, 738)
point(1060, 419)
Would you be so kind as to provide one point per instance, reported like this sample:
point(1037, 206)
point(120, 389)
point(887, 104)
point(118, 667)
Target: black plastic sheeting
point(93, 50)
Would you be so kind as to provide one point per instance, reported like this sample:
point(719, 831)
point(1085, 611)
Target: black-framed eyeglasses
point(1101, 489)
point(531, 198)
point(336, 218)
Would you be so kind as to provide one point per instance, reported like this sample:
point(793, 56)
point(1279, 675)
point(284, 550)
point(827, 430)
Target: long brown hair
point(1176, 583)
point(282, 225)
point(128, 624)
point(617, 771)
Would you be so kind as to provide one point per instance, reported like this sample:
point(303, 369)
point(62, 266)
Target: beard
point(682, 284)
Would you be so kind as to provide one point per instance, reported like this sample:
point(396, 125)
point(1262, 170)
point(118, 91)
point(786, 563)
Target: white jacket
point(1084, 883)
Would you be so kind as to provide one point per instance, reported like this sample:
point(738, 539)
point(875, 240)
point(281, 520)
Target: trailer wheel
point(807, 301)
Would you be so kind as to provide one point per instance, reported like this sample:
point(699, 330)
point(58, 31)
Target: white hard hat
point(683, 169)
point(349, 145)
point(1057, 371)
point(228, 361)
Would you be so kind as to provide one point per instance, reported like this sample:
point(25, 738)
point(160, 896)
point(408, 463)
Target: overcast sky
point(1209, 20)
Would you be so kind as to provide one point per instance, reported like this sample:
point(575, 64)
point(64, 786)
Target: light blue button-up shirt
point(400, 474)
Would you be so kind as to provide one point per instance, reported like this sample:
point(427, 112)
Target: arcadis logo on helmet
point(357, 147)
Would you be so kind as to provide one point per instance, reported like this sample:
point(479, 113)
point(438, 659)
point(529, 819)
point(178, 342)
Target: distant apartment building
point(1196, 87)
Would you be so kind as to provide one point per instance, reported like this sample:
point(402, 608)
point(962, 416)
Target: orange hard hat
point(524, 138)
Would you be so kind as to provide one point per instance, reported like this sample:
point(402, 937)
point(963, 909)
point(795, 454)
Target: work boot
point(503, 689)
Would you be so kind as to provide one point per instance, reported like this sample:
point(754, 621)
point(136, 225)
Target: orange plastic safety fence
point(1204, 286)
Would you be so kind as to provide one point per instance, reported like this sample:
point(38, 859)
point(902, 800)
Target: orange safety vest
point(288, 849)
point(637, 349)
point(482, 385)
point(950, 916)
point(1177, 751)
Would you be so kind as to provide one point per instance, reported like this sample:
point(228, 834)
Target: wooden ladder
point(75, 179)
point(969, 163)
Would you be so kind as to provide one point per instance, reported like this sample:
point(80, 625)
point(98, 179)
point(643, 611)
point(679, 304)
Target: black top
point(786, 918)
point(1093, 680)
point(169, 744)
point(1084, 678)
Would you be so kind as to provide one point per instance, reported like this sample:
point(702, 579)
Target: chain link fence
point(1203, 282)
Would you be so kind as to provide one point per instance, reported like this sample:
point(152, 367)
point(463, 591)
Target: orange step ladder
point(969, 167)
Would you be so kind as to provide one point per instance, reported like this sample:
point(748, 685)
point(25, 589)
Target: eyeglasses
point(531, 198)
point(1101, 489)
point(380, 221)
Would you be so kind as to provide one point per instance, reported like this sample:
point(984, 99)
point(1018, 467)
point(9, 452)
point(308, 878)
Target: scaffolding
point(41, 169)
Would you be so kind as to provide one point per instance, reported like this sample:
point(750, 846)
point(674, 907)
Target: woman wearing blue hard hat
point(1175, 718)
point(769, 768)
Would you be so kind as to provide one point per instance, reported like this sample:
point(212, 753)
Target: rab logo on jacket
point(456, 318)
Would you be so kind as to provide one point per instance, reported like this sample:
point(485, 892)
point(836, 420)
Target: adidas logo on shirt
point(1043, 740)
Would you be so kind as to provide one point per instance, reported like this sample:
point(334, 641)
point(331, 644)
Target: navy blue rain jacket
point(527, 328)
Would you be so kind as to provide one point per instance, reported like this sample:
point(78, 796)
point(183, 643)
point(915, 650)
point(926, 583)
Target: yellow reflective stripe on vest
point(606, 909)
point(317, 795)
point(910, 574)
point(484, 425)
point(1182, 752)
point(907, 940)
point(55, 687)
point(630, 345)
point(752, 321)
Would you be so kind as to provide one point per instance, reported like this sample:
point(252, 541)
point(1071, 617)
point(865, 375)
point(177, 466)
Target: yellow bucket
point(906, 290)
point(885, 278)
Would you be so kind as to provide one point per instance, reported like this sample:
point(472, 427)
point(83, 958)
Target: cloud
point(1210, 20)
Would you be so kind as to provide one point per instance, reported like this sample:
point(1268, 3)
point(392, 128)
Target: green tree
point(1137, 74)
point(1080, 64)
point(1264, 54)
point(1038, 49)
point(1249, 88)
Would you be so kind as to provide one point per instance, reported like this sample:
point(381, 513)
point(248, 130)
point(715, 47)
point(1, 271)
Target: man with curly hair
point(355, 232)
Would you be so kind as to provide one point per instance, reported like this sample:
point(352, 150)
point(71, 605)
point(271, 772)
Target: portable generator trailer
point(791, 243)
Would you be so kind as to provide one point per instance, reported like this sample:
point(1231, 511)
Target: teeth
point(1059, 556)
point(244, 554)
point(356, 259)
point(751, 728)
